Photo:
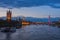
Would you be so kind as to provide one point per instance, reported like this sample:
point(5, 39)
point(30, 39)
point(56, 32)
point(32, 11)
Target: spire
point(49, 22)
point(9, 11)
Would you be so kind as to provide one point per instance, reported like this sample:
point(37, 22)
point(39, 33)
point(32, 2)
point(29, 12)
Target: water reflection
point(33, 32)
point(8, 36)
point(24, 26)
point(8, 31)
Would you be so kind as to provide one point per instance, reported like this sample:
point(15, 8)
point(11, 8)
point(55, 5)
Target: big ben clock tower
point(9, 13)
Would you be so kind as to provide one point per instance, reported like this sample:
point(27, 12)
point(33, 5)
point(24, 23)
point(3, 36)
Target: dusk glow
point(39, 11)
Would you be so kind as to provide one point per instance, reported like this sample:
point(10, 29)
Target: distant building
point(49, 21)
point(9, 13)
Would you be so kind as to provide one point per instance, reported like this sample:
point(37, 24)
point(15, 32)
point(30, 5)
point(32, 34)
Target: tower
point(49, 22)
point(9, 16)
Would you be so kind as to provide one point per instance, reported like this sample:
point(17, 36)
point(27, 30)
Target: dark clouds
point(29, 3)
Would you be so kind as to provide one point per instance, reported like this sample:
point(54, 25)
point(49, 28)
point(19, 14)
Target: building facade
point(9, 13)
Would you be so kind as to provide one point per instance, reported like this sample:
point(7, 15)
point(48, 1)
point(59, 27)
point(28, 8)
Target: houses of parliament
point(9, 22)
point(9, 16)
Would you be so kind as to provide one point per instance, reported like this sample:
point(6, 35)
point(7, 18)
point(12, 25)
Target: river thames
point(33, 32)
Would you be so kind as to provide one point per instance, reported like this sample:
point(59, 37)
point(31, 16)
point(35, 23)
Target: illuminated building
point(9, 16)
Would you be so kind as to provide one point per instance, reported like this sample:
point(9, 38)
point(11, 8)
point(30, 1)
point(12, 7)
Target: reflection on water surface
point(33, 32)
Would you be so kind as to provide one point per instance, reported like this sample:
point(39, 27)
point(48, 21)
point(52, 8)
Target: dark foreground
point(33, 32)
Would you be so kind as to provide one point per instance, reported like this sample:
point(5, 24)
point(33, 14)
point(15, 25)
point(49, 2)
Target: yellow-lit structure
point(25, 23)
point(9, 13)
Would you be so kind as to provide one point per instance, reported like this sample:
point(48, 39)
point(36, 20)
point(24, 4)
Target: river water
point(33, 32)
